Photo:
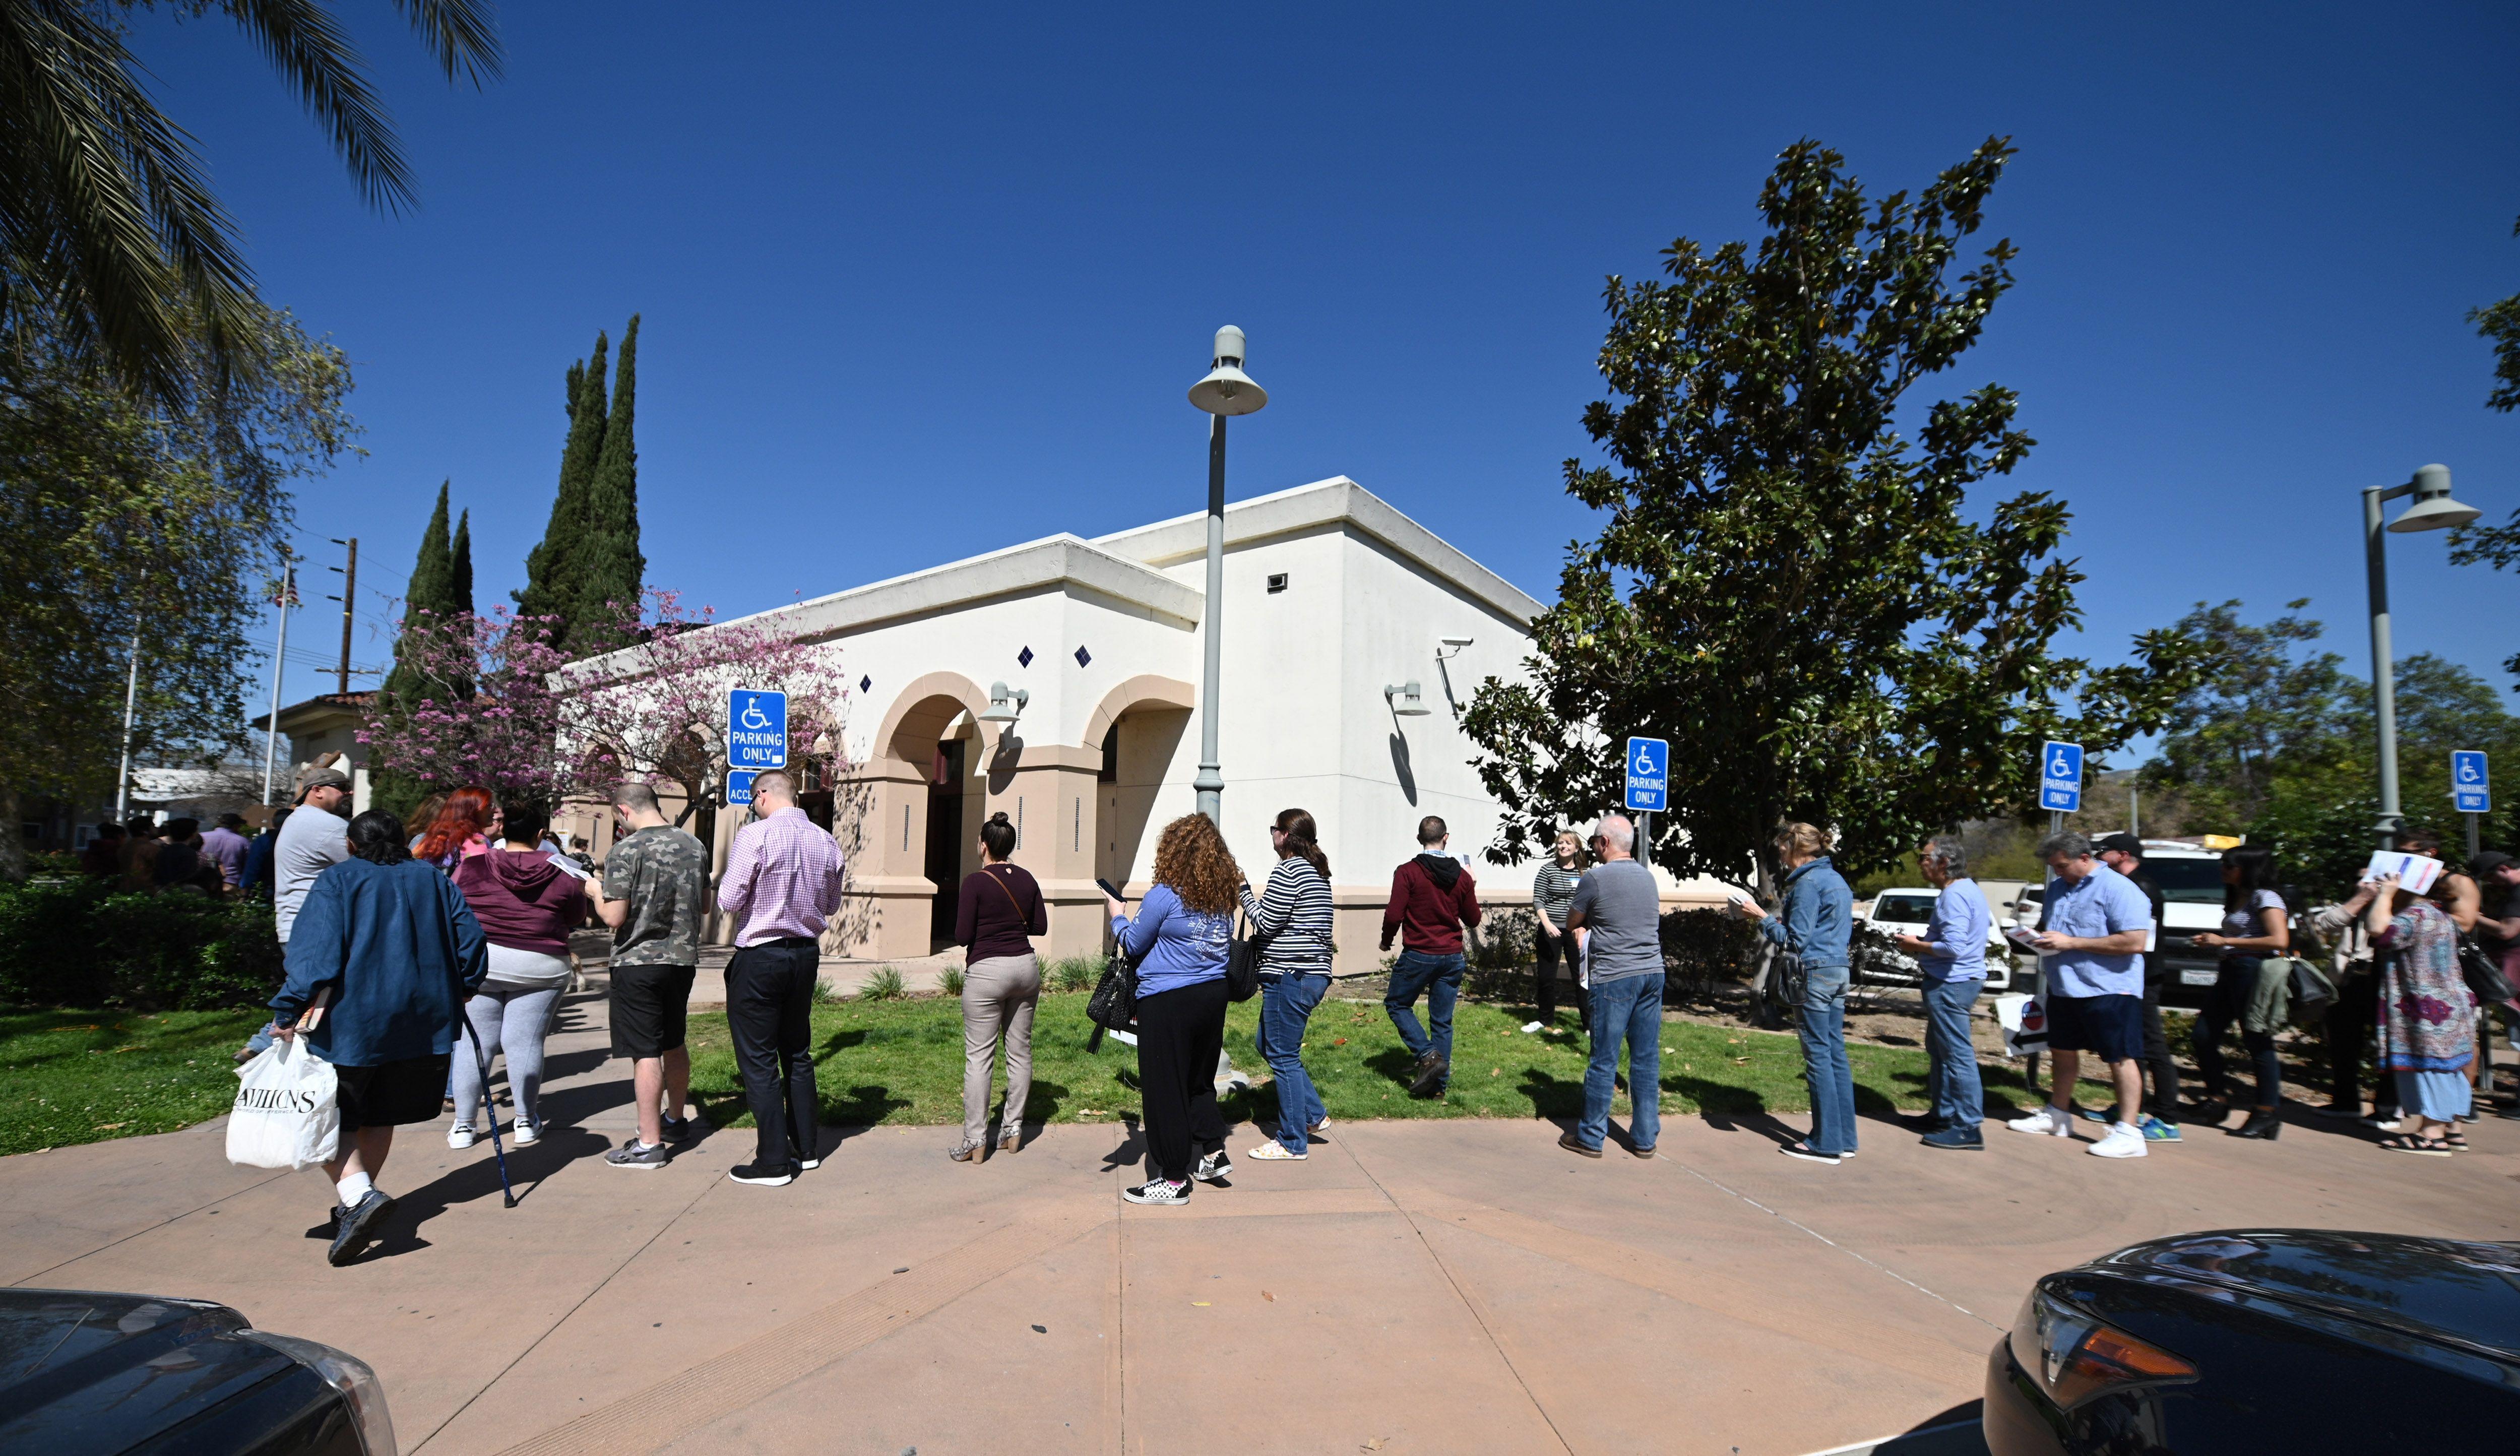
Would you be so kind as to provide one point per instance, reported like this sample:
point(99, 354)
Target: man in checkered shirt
point(782, 881)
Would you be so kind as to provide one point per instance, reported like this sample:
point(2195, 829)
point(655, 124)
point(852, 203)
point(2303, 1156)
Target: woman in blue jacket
point(389, 945)
point(1815, 923)
point(1180, 938)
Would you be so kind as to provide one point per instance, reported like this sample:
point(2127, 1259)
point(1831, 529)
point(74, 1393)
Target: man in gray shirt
point(309, 843)
point(1618, 913)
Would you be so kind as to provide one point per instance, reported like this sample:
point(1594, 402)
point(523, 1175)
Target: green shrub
point(83, 943)
point(883, 984)
point(1074, 973)
point(823, 995)
point(953, 980)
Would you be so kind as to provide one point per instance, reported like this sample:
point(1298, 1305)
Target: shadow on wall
point(852, 805)
point(1401, 770)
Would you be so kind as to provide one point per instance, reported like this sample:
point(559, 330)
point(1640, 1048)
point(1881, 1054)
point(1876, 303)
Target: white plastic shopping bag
point(286, 1113)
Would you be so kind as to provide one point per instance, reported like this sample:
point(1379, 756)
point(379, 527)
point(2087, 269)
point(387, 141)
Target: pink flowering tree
point(470, 702)
point(656, 710)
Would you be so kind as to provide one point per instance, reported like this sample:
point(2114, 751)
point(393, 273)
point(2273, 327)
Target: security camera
point(1459, 641)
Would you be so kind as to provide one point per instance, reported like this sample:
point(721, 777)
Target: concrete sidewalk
point(1414, 1286)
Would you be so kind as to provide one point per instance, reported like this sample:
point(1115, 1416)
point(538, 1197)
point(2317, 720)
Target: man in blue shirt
point(2093, 968)
point(1951, 956)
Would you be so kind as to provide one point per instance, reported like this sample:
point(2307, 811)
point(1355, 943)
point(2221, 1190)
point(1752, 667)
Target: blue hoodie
point(401, 952)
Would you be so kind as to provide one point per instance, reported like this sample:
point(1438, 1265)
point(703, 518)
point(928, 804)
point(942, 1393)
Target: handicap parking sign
point(756, 729)
point(2060, 776)
point(1648, 775)
point(2470, 792)
point(738, 785)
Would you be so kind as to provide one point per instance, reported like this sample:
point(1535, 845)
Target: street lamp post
point(1226, 391)
point(2433, 510)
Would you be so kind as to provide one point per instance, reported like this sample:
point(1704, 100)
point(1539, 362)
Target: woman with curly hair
point(1179, 940)
point(462, 829)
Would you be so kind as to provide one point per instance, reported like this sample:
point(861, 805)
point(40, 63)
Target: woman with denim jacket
point(1815, 923)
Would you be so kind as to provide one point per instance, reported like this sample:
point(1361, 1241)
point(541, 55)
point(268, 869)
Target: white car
point(1906, 912)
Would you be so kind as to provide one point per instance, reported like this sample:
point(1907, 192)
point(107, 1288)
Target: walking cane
point(489, 1106)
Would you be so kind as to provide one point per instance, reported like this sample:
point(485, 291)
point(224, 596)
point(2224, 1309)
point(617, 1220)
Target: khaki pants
point(999, 995)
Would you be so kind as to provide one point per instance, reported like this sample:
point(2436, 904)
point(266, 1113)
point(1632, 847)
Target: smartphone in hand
point(1110, 888)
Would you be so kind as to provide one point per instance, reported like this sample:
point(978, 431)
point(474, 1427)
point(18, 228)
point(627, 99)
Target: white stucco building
point(1332, 597)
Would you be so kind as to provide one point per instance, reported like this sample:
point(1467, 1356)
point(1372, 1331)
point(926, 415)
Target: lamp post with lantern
point(1225, 393)
point(2433, 510)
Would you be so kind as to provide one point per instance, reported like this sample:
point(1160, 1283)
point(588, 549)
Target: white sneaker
point(2049, 1119)
point(460, 1137)
point(2123, 1140)
point(1274, 1152)
point(527, 1134)
point(1320, 1126)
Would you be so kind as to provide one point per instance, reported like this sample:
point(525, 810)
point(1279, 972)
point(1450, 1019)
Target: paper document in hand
point(2415, 872)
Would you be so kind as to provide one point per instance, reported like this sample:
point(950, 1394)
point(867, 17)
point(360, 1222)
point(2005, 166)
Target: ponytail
point(1303, 840)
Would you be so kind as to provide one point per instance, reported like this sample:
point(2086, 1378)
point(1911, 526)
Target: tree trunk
point(13, 838)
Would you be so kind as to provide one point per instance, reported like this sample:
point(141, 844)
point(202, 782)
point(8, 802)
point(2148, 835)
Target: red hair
point(466, 812)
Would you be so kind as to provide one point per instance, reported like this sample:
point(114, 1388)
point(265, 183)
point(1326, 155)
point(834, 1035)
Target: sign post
point(2469, 790)
point(1648, 780)
point(756, 738)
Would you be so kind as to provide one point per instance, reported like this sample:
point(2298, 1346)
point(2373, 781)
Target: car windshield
point(1907, 909)
point(2186, 882)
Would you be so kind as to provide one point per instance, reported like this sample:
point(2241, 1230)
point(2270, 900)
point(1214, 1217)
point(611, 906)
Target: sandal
point(2419, 1146)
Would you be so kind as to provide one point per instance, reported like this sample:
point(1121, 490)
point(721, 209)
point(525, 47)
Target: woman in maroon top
point(528, 901)
point(1001, 911)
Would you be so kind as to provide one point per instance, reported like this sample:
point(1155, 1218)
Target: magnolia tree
point(657, 709)
point(474, 705)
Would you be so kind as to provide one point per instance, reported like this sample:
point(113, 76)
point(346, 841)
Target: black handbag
point(1242, 963)
point(2484, 978)
point(1114, 1006)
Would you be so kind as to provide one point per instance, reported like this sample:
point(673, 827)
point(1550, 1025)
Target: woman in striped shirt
point(1294, 915)
point(1552, 890)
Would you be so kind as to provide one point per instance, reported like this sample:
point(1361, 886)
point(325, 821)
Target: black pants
point(2223, 1005)
point(769, 1009)
point(1181, 1033)
point(2156, 1057)
point(2351, 1022)
point(1551, 950)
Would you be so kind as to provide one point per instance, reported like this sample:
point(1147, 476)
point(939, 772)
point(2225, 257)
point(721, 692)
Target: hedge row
point(80, 943)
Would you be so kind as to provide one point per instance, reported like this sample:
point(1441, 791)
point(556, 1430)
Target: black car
point(2253, 1340)
point(83, 1373)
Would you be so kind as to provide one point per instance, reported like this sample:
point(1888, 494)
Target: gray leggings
point(509, 1018)
point(999, 994)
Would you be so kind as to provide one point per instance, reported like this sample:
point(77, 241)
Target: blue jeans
point(1287, 1003)
point(1823, 1031)
point(1959, 1097)
point(1440, 977)
point(1629, 1009)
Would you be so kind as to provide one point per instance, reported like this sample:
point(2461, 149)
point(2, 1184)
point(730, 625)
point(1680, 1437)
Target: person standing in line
point(258, 857)
point(655, 896)
point(527, 906)
point(1293, 918)
point(1433, 901)
point(999, 911)
point(2096, 924)
point(224, 846)
point(2427, 1018)
point(2124, 853)
point(2498, 933)
point(381, 955)
point(102, 859)
point(1816, 923)
point(141, 848)
point(309, 841)
point(1619, 909)
point(1552, 944)
point(179, 855)
point(2460, 897)
point(782, 881)
point(2254, 927)
point(1180, 938)
point(466, 824)
point(1951, 956)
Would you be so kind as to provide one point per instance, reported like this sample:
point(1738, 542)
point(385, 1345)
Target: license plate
point(2206, 977)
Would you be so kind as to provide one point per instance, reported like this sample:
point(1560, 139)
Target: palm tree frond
point(463, 35)
point(307, 45)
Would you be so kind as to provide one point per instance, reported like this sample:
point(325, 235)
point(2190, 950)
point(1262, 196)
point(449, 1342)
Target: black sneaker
point(1434, 1072)
point(357, 1227)
point(1157, 1191)
point(1213, 1168)
point(681, 1129)
point(765, 1174)
point(637, 1155)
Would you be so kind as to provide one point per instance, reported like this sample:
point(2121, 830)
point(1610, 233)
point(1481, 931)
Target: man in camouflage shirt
point(655, 896)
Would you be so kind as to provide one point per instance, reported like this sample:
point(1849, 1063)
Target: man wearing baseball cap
point(312, 838)
point(2124, 853)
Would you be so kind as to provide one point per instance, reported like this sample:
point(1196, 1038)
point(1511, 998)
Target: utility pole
point(279, 655)
point(349, 600)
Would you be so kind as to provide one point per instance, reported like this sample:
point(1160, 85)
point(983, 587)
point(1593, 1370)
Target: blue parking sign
point(1648, 775)
point(756, 729)
point(2469, 793)
point(2060, 777)
point(738, 785)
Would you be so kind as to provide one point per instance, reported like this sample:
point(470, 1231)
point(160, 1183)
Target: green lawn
point(901, 1062)
point(82, 1076)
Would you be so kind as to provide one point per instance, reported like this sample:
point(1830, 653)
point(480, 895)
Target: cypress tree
point(459, 593)
point(609, 569)
point(439, 589)
point(554, 570)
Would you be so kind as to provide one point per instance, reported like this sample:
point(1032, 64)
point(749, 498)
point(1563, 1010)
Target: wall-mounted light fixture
point(1005, 707)
point(1404, 699)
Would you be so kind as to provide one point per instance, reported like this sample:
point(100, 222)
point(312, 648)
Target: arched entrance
point(910, 814)
point(1136, 730)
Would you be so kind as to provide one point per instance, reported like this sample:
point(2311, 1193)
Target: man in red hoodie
point(1432, 900)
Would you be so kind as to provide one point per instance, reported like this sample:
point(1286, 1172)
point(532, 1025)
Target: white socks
point(353, 1188)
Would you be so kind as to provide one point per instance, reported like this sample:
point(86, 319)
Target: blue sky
point(921, 284)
